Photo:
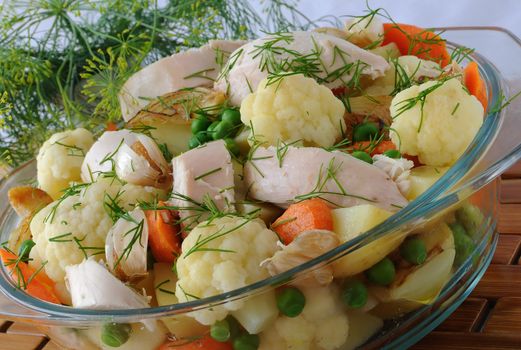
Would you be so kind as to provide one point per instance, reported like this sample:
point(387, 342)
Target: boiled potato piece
point(419, 285)
point(362, 326)
point(268, 212)
point(425, 283)
point(388, 51)
point(21, 233)
point(27, 200)
point(423, 177)
point(173, 134)
point(169, 117)
point(349, 223)
point(258, 313)
point(181, 326)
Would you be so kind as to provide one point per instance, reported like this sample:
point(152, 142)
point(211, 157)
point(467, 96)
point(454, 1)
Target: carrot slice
point(299, 217)
point(379, 148)
point(163, 234)
point(206, 342)
point(111, 126)
point(412, 40)
point(475, 83)
point(35, 283)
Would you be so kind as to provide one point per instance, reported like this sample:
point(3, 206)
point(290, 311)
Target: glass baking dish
point(469, 182)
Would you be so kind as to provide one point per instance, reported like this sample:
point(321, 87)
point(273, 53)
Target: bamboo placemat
point(489, 319)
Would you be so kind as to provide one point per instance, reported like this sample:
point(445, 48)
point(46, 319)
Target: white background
point(428, 13)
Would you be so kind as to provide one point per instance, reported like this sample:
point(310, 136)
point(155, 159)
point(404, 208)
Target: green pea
point(365, 131)
point(198, 139)
point(232, 115)
point(115, 334)
point(363, 156)
point(471, 217)
point(463, 244)
point(291, 301)
point(25, 249)
point(414, 251)
point(212, 126)
point(246, 342)
point(232, 146)
point(201, 123)
point(222, 130)
point(220, 331)
point(393, 153)
point(354, 294)
point(382, 273)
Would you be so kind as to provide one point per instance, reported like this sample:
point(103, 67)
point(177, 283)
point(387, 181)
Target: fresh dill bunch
point(62, 62)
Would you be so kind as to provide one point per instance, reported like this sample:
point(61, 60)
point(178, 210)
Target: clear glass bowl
point(495, 148)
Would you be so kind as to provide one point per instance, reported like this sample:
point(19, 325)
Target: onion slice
point(133, 157)
point(126, 246)
point(308, 245)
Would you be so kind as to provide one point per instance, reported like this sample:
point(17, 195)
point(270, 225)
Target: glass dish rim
point(424, 205)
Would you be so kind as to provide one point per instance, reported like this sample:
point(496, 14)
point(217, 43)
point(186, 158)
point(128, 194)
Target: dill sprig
point(63, 62)
point(73, 190)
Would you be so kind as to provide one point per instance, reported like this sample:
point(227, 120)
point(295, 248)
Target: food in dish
point(249, 159)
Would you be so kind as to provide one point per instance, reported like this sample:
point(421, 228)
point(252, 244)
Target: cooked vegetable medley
point(241, 160)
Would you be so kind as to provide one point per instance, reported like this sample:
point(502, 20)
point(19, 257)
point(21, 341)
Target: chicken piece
point(335, 61)
point(188, 69)
point(282, 176)
point(92, 286)
point(203, 180)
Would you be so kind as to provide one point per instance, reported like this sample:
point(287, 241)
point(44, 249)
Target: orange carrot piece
point(111, 126)
point(163, 234)
point(204, 343)
point(475, 83)
point(412, 40)
point(35, 283)
point(380, 148)
point(302, 216)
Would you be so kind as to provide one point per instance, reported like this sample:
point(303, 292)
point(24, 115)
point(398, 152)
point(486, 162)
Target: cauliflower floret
point(61, 229)
point(397, 169)
point(322, 325)
point(439, 130)
point(363, 32)
point(220, 256)
point(296, 108)
point(59, 160)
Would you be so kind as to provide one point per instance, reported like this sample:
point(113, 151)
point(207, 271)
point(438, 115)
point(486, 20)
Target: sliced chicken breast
point(188, 69)
point(299, 173)
point(329, 59)
point(203, 179)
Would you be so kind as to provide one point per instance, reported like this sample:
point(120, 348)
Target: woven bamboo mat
point(489, 319)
